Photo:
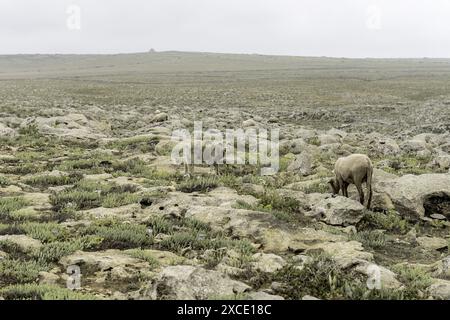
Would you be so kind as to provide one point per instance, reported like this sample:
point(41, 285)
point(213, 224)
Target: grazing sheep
point(354, 169)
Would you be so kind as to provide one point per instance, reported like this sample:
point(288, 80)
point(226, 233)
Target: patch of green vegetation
point(143, 255)
point(30, 130)
point(142, 144)
point(10, 204)
point(90, 194)
point(198, 184)
point(272, 200)
point(406, 164)
point(24, 168)
point(118, 235)
point(24, 214)
point(323, 278)
point(75, 199)
point(320, 277)
point(370, 239)
point(52, 252)
point(317, 187)
point(113, 200)
point(415, 279)
point(160, 224)
point(13, 250)
point(45, 232)
point(42, 292)
point(391, 222)
point(4, 182)
point(14, 271)
point(46, 181)
point(314, 141)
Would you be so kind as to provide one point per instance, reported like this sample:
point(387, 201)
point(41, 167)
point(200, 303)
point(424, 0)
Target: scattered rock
point(440, 289)
point(410, 193)
point(26, 243)
point(303, 164)
point(160, 117)
point(307, 297)
point(260, 295)
point(267, 262)
point(432, 243)
point(193, 283)
point(339, 210)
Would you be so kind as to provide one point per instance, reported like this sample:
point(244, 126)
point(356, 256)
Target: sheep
point(354, 169)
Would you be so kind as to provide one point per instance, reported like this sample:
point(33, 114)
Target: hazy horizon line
point(225, 53)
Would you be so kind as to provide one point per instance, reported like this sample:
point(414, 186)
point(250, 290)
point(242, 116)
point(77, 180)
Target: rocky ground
point(86, 179)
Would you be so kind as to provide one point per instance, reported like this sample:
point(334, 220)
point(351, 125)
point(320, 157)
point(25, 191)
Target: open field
point(86, 178)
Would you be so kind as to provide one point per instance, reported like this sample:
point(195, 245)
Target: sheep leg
point(216, 168)
point(361, 193)
point(341, 186)
point(370, 194)
point(345, 189)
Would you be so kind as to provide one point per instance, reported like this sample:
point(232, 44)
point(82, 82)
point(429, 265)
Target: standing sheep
point(354, 169)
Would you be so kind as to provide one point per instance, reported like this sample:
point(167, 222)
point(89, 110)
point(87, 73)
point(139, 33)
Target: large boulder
point(440, 289)
point(193, 283)
point(26, 243)
point(107, 267)
point(419, 196)
point(432, 243)
point(339, 210)
point(303, 164)
point(294, 146)
point(388, 279)
point(267, 262)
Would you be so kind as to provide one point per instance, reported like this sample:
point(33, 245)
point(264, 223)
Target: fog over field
point(346, 28)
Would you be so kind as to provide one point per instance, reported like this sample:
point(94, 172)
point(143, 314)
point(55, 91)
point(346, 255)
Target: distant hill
point(147, 64)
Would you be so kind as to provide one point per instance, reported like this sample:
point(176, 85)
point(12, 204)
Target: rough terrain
point(86, 178)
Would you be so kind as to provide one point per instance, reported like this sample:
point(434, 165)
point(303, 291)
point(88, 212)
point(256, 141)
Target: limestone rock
point(193, 283)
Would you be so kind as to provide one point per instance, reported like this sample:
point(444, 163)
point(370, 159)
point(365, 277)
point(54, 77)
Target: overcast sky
point(340, 28)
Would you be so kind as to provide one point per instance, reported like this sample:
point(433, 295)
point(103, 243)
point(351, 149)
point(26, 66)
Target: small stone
point(260, 295)
point(307, 297)
point(438, 216)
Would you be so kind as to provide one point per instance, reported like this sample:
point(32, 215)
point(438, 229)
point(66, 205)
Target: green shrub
point(19, 271)
point(52, 252)
point(121, 235)
point(415, 279)
point(42, 292)
point(321, 277)
point(198, 184)
point(391, 221)
point(143, 255)
point(13, 250)
point(11, 204)
point(160, 225)
point(45, 232)
point(370, 239)
point(4, 181)
point(113, 200)
point(46, 181)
